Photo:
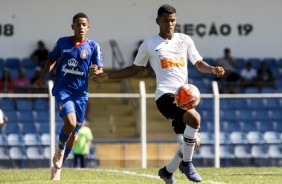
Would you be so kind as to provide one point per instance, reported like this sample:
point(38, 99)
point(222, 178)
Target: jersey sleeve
point(193, 53)
point(97, 56)
point(143, 55)
point(56, 52)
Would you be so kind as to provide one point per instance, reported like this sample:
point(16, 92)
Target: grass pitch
point(143, 176)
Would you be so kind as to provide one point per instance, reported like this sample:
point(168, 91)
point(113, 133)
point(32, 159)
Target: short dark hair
point(79, 15)
point(166, 8)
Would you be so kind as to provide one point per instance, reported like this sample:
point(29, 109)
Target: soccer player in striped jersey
point(72, 56)
point(168, 53)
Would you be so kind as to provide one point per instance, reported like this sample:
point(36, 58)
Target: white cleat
point(58, 157)
point(56, 173)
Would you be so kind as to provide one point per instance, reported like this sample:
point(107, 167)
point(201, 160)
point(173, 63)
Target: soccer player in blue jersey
point(73, 57)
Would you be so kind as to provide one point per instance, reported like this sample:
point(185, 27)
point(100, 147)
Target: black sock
point(166, 172)
point(184, 163)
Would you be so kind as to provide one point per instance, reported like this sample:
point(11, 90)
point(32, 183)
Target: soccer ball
point(187, 97)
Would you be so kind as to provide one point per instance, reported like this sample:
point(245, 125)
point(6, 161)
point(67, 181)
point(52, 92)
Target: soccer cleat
point(56, 173)
point(167, 179)
point(58, 158)
point(190, 172)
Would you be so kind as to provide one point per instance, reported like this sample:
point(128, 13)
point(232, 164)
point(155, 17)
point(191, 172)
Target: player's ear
point(158, 21)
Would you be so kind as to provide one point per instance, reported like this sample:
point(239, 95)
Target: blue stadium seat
point(226, 104)
point(230, 126)
point(271, 62)
point(255, 62)
point(207, 115)
point(28, 128)
point(25, 116)
point(14, 140)
point(266, 126)
point(41, 116)
point(194, 73)
point(242, 151)
point(206, 151)
point(12, 115)
point(3, 140)
point(272, 137)
point(24, 104)
point(207, 138)
point(272, 103)
point(12, 128)
point(224, 137)
point(14, 73)
point(34, 152)
point(240, 63)
point(275, 151)
point(47, 152)
point(4, 154)
point(240, 103)
point(258, 151)
point(278, 126)
point(8, 104)
point(262, 115)
point(276, 115)
point(43, 128)
point(206, 103)
point(254, 137)
point(206, 126)
point(12, 63)
point(246, 115)
point(257, 103)
point(238, 137)
point(45, 139)
point(2, 66)
point(229, 115)
point(17, 152)
point(40, 104)
point(29, 73)
point(252, 90)
point(31, 139)
point(226, 151)
point(210, 61)
point(268, 90)
point(27, 63)
point(248, 126)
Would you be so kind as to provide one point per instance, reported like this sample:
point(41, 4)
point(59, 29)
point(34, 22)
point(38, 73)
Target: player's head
point(80, 25)
point(166, 20)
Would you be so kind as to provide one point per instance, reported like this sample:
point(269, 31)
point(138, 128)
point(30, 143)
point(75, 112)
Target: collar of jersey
point(72, 40)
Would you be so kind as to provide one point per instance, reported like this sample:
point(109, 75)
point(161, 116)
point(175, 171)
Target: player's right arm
point(119, 74)
point(48, 67)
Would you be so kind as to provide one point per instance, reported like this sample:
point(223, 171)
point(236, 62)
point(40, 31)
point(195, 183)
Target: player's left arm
point(204, 67)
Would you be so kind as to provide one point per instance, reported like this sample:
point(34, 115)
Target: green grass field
point(143, 176)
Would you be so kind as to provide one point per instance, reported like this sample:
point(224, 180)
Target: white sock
point(173, 165)
point(189, 143)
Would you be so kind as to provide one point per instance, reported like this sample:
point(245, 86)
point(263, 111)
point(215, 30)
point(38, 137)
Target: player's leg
point(192, 119)
point(168, 108)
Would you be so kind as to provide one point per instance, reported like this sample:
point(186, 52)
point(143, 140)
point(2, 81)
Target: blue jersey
point(73, 62)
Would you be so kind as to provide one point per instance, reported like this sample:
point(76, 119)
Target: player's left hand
point(218, 71)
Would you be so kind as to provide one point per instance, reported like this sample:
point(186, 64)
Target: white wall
point(128, 21)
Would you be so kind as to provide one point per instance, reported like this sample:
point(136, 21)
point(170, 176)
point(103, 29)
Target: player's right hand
point(98, 78)
point(39, 83)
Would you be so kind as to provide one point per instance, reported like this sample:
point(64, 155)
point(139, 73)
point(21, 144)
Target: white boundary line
point(129, 172)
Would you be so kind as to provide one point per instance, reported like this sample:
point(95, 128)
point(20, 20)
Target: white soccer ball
point(187, 96)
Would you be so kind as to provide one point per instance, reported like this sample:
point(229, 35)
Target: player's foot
point(167, 179)
point(56, 173)
point(190, 172)
point(58, 157)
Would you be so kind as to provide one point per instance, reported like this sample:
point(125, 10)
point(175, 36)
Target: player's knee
point(192, 118)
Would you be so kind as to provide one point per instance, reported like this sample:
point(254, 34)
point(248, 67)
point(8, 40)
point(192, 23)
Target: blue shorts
point(69, 103)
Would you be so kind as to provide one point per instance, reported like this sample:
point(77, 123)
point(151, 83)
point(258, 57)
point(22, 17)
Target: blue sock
point(63, 138)
point(67, 152)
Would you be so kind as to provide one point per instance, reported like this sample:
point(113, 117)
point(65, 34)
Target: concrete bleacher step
point(111, 117)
